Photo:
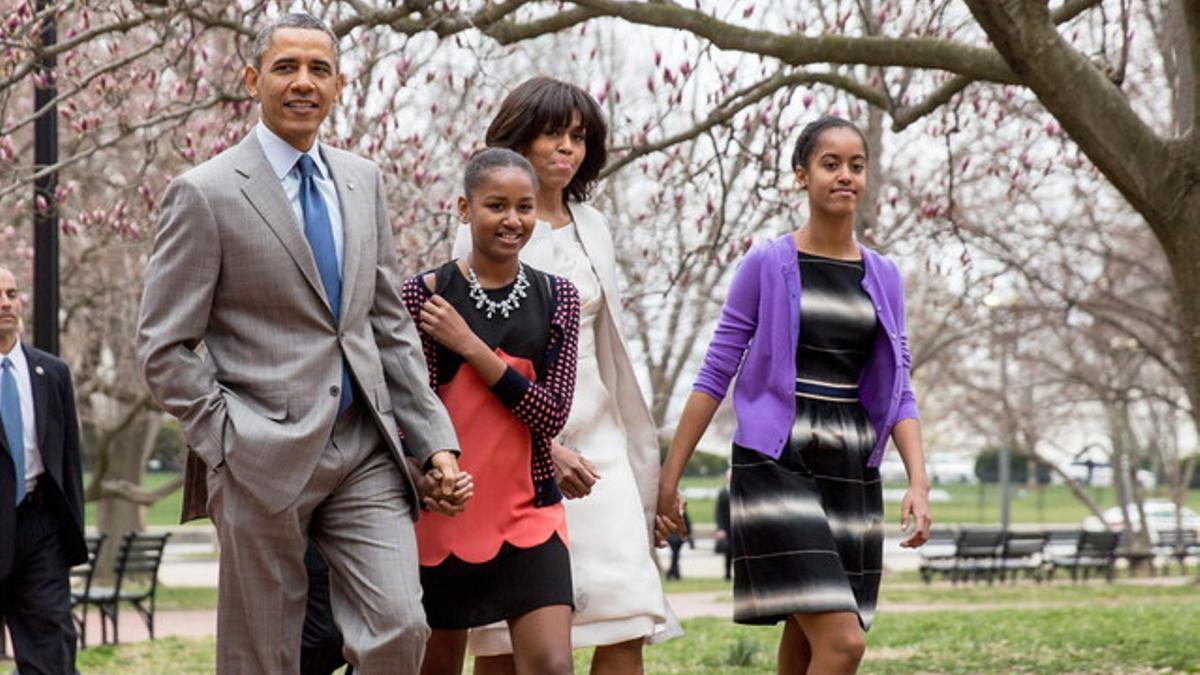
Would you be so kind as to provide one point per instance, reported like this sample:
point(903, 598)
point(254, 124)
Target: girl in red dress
point(500, 341)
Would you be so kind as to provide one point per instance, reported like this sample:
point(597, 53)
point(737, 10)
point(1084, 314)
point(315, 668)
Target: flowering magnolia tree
point(1007, 138)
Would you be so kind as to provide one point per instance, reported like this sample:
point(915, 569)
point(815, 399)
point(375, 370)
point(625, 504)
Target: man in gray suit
point(277, 256)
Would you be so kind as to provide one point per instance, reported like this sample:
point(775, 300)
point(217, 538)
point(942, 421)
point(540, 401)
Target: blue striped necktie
point(14, 430)
point(318, 229)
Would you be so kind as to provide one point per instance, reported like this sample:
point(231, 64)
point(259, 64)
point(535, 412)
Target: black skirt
point(458, 595)
point(808, 527)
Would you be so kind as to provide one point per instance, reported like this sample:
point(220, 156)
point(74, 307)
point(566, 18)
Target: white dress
point(618, 593)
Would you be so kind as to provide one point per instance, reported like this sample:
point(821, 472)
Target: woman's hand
point(443, 323)
point(914, 515)
point(669, 517)
point(576, 475)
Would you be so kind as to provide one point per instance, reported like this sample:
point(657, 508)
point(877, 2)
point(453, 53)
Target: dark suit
point(725, 524)
point(43, 537)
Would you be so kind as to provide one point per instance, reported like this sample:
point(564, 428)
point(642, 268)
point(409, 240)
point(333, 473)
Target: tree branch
point(80, 86)
point(123, 489)
point(492, 20)
point(903, 117)
point(506, 32)
point(127, 130)
point(1092, 111)
point(745, 98)
point(1071, 9)
point(799, 50)
point(1191, 13)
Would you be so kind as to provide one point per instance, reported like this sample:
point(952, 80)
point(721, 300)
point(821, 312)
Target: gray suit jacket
point(232, 271)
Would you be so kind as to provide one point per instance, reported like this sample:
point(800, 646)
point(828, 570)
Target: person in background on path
point(724, 533)
point(607, 456)
point(500, 340)
point(676, 540)
point(813, 329)
point(41, 496)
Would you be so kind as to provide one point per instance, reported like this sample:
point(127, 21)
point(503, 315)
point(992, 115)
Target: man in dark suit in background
point(41, 496)
point(724, 533)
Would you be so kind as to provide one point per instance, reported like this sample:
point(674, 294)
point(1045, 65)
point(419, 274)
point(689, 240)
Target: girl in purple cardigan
point(813, 328)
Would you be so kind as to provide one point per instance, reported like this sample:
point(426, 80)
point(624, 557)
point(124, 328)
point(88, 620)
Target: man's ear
point(250, 80)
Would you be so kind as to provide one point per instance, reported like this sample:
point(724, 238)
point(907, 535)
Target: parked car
point(1160, 515)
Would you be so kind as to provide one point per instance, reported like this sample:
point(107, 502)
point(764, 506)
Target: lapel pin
point(349, 186)
point(39, 370)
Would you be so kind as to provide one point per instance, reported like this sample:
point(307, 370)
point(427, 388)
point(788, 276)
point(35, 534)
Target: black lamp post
point(45, 204)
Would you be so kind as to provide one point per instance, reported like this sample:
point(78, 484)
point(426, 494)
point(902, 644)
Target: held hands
point(576, 475)
point(669, 517)
point(914, 515)
point(444, 488)
point(443, 323)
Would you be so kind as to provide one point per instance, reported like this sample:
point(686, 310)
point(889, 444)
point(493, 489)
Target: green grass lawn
point(1132, 638)
point(178, 656)
point(186, 598)
point(1078, 628)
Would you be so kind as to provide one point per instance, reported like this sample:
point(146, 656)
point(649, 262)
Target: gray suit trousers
point(356, 501)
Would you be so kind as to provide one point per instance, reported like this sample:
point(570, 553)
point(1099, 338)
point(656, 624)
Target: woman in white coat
point(607, 455)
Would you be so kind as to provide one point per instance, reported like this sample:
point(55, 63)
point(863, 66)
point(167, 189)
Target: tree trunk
point(126, 463)
point(1182, 248)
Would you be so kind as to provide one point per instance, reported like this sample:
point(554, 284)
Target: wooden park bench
point(135, 582)
point(81, 577)
point(937, 553)
point(1022, 553)
point(1095, 552)
point(974, 558)
point(1177, 545)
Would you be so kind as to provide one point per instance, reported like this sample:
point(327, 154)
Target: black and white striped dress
point(808, 527)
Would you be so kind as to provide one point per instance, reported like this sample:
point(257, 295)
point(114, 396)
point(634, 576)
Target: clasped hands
point(669, 518)
point(443, 486)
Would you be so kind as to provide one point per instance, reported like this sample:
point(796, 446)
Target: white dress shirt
point(33, 457)
point(282, 157)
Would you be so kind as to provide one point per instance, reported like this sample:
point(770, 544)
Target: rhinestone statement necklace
point(505, 306)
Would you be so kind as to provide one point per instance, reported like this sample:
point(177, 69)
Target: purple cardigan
point(761, 321)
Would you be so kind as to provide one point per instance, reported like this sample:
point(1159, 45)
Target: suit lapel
point(37, 381)
point(357, 212)
point(262, 189)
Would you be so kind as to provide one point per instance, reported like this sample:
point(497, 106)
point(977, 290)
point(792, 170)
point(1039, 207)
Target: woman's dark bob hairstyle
point(545, 104)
